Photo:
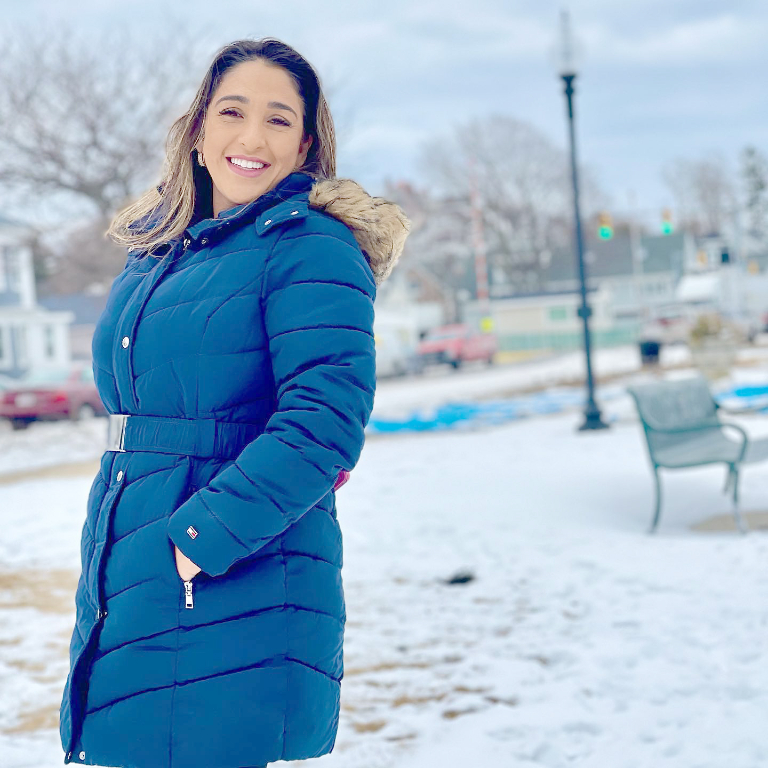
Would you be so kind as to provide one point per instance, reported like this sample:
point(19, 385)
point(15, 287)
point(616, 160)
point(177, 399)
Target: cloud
point(725, 38)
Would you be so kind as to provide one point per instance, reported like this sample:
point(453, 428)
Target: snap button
point(126, 341)
point(268, 221)
point(187, 241)
point(82, 755)
point(69, 754)
point(119, 475)
point(293, 213)
point(204, 241)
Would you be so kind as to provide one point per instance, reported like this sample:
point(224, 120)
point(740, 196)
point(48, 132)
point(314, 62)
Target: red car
point(46, 394)
point(456, 344)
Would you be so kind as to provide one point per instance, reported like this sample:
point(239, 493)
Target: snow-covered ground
point(579, 640)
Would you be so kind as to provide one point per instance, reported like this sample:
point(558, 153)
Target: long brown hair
point(172, 204)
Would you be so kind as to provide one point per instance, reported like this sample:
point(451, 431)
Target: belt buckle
point(116, 431)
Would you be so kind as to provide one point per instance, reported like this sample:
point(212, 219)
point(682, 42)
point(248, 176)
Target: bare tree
point(703, 191)
point(524, 183)
point(84, 119)
point(754, 177)
point(87, 259)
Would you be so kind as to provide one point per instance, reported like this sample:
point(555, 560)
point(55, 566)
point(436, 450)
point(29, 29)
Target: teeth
point(245, 163)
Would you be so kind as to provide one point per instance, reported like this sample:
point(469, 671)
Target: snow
point(579, 640)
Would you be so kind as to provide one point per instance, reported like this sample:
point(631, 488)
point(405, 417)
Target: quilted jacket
point(244, 357)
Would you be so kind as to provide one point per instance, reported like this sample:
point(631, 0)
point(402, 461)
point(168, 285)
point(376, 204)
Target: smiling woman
point(236, 358)
point(260, 123)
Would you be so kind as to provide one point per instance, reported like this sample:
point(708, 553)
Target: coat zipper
point(188, 599)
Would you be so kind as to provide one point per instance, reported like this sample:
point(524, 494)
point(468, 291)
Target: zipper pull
point(188, 594)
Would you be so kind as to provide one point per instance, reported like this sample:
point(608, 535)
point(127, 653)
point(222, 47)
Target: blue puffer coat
point(245, 359)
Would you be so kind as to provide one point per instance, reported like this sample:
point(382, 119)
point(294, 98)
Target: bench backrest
point(668, 411)
point(675, 405)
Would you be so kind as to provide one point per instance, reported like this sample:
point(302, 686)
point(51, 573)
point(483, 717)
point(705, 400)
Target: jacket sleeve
point(317, 301)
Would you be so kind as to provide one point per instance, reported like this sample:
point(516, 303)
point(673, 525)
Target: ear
point(303, 151)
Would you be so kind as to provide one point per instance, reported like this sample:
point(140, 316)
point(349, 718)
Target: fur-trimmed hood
point(379, 226)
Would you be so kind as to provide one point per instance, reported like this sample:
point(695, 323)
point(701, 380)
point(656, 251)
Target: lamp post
point(567, 71)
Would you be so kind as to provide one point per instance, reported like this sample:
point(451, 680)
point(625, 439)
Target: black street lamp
point(592, 416)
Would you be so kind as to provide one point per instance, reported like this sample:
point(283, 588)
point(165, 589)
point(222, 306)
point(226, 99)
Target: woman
point(236, 358)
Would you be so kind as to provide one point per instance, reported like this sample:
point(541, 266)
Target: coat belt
point(208, 438)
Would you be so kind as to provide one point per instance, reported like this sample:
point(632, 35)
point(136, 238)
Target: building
point(630, 280)
point(640, 275)
point(548, 321)
point(85, 308)
point(30, 335)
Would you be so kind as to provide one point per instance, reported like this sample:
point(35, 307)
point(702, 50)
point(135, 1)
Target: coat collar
point(379, 225)
point(294, 186)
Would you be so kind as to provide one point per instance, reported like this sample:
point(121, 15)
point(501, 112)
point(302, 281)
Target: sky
point(658, 80)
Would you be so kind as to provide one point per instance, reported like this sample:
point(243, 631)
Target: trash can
point(649, 351)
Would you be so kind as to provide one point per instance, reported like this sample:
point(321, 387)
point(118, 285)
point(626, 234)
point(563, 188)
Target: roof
point(87, 308)
point(613, 258)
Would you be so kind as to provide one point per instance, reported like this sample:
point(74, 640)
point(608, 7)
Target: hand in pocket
point(184, 566)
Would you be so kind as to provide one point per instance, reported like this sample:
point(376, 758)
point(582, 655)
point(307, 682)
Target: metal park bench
point(683, 429)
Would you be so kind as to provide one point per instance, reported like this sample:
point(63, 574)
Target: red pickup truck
point(456, 344)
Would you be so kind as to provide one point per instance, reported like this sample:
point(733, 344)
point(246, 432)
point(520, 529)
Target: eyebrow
point(244, 100)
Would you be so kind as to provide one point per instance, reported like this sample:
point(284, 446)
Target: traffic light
point(605, 226)
point(666, 222)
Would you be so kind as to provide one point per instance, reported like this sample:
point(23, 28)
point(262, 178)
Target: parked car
point(457, 344)
point(670, 325)
point(395, 355)
point(48, 394)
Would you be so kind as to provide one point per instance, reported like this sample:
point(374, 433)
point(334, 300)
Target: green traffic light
point(666, 227)
point(605, 233)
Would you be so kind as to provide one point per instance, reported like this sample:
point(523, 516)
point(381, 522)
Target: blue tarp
point(469, 415)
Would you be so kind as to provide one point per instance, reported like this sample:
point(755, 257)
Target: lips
point(247, 172)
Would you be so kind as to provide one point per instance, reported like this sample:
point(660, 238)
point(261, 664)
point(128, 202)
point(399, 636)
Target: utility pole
point(478, 243)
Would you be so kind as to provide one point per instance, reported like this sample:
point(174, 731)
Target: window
point(21, 345)
point(50, 341)
point(13, 268)
point(558, 314)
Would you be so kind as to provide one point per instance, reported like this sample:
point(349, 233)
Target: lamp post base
point(592, 419)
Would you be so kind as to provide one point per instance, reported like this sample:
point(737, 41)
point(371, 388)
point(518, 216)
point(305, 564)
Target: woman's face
point(255, 115)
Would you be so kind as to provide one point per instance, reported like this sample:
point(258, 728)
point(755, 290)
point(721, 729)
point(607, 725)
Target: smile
point(236, 167)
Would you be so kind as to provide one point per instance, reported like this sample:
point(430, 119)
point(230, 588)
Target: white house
point(30, 336)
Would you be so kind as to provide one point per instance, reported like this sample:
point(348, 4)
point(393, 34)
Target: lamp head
point(568, 53)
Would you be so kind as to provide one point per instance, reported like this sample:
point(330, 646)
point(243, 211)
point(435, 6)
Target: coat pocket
point(187, 585)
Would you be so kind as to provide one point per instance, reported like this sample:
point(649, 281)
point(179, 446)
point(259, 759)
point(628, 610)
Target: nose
point(252, 137)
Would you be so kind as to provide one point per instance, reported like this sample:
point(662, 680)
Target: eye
point(229, 112)
point(281, 121)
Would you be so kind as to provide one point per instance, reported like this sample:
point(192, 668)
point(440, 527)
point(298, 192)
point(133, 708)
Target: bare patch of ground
point(754, 521)
point(50, 591)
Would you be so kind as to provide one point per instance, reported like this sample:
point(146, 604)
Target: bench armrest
point(704, 427)
point(744, 439)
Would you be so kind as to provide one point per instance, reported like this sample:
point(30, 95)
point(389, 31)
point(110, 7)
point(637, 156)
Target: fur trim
point(379, 226)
